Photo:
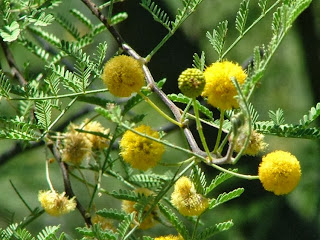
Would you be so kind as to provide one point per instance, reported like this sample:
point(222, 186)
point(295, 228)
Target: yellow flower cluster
point(129, 207)
point(56, 204)
point(279, 172)
point(256, 144)
point(219, 88)
point(140, 152)
point(77, 145)
point(123, 75)
point(169, 237)
point(186, 199)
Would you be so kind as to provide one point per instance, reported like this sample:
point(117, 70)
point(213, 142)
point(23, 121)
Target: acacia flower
point(140, 152)
point(186, 199)
point(56, 204)
point(279, 172)
point(105, 223)
point(129, 207)
point(191, 82)
point(97, 142)
point(169, 237)
point(256, 144)
point(219, 88)
point(76, 146)
point(123, 75)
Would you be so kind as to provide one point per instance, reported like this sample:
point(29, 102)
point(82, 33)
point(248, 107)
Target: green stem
point(239, 175)
point(219, 132)
point(224, 142)
point(62, 95)
point(195, 228)
point(249, 28)
point(155, 107)
point(183, 116)
point(199, 128)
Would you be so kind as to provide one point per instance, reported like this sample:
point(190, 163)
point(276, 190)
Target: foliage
point(39, 97)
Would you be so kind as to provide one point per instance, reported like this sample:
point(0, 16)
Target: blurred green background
point(291, 83)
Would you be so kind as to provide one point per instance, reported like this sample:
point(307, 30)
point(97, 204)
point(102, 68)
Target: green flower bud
point(191, 82)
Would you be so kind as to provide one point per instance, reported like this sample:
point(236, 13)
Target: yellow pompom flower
point(140, 152)
point(219, 88)
point(186, 199)
point(191, 82)
point(56, 204)
point(76, 146)
point(129, 207)
point(97, 142)
point(256, 144)
point(279, 172)
point(169, 237)
point(123, 75)
point(105, 223)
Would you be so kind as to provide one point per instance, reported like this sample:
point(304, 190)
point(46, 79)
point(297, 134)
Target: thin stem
point(20, 196)
point(239, 175)
point(249, 28)
point(159, 110)
point(62, 95)
point(195, 228)
point(183, 116)
point(224, 142)
point(219, 132)
point(199, 128)
point(48, 176)
point(102, 6)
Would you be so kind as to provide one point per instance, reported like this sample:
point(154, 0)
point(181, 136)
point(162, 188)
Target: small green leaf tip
point(191, 82)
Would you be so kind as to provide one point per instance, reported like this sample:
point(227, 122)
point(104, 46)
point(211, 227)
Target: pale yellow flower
point(56, 204)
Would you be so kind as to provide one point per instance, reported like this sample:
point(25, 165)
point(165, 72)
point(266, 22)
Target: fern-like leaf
point(172, 217)
point(277, 117)
point(111, 213)
point(17, 129)
point(218, 36)
point(69, 80)
point(297, 8)
point(5, 86)
point(199, 179)
point(184, 99)
point(67, 25)
point(224, 197)
point(118, 18)
point(42, 19)
point(43, 113)
point(263, 4)
point(10, 33)
point(54, 40)
point(82, 18)
point(220, 178)
point(125, 225)
point(199, 62)
point(124, 194)
point(242, 15)
point(158, 14)
point(48, 233)
point(23, 234)
point(148, 180)
point(313, 114)
point(100, 54)
point(53, 83)
point(209, 232)
point(253, 113)
point(35, 49)
point(287, 130)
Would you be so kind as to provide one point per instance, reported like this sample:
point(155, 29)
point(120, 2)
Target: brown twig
point(67, 183)
point(12, 63)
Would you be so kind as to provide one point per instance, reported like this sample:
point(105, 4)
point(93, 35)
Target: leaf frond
point(218, 37)
point(313, 114)
point(158, 14)
point(242, 16)
point(210, 231)
point(224, 197)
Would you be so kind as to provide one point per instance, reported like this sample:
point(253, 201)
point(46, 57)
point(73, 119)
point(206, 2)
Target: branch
point(67, 183)
point(95, 10)
point(12, 63)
